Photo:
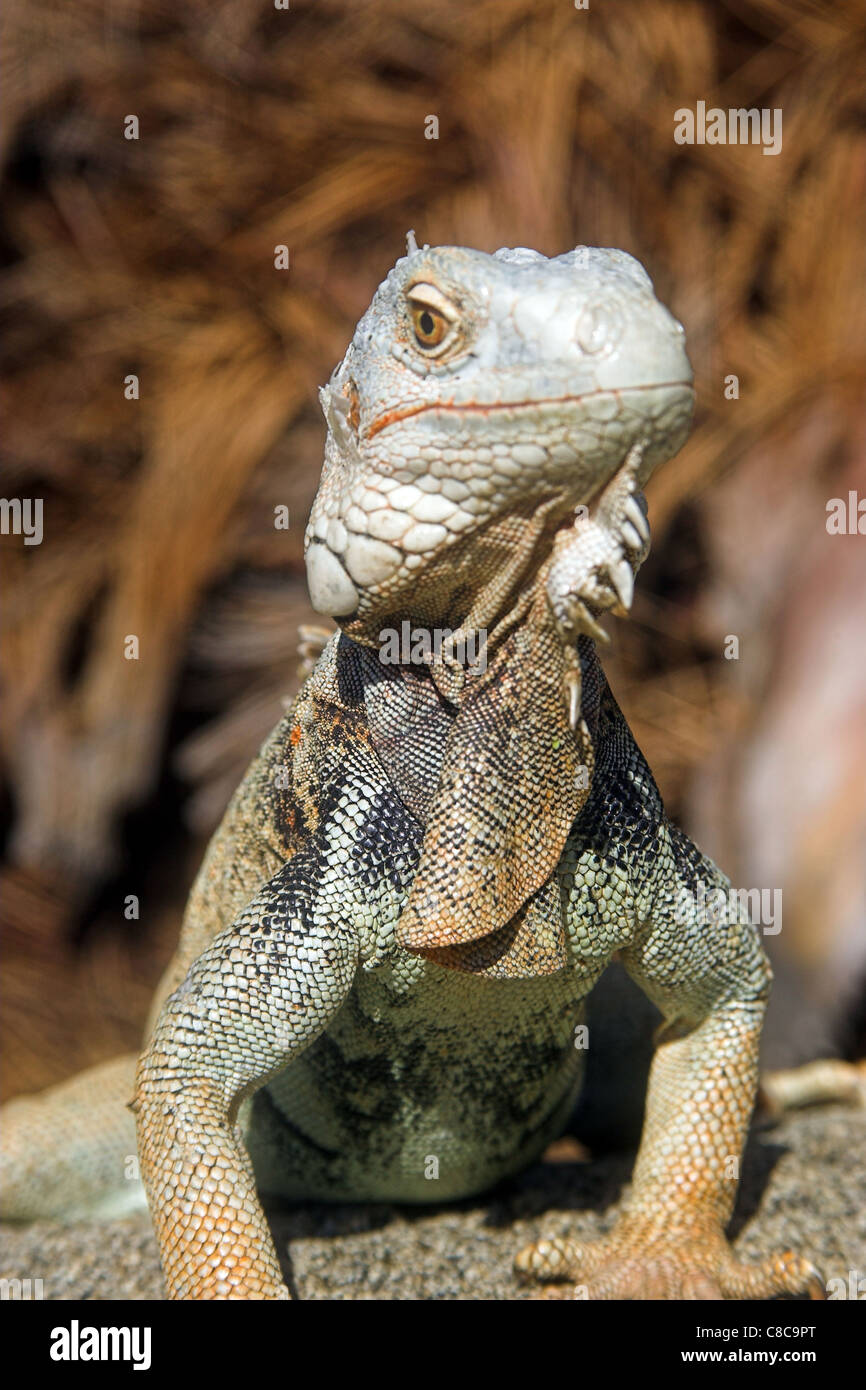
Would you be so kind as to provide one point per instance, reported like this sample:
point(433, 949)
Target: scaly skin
point(427, 868)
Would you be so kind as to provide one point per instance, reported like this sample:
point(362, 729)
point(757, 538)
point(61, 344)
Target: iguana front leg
point(260, 993)
point(710, 978)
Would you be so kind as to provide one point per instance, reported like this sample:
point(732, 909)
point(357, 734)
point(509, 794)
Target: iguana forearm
point(258, 995)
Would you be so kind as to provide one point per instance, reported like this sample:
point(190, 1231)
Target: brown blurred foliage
point(155, 257)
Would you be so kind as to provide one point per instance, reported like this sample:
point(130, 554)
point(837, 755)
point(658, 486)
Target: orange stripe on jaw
point(392, 417)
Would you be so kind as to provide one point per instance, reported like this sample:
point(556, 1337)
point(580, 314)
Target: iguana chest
point(428, 1085)
point(431, 1082)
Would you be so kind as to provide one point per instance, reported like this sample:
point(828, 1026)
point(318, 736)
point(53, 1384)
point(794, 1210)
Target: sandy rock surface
point(804, 1186)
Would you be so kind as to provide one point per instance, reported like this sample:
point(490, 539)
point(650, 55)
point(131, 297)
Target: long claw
point(593, 629)
point(634, 512)
point(630, 536)
point(572, 683)
point(622, 580)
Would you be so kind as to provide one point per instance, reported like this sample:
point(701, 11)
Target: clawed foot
point(599, 556)
point(639, 1264)
point(594, 566)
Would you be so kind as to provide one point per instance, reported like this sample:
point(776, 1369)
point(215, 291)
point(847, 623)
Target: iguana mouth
point(394, 416)
point(382, 518)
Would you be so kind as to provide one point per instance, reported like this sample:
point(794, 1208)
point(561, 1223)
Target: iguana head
point(482, 398)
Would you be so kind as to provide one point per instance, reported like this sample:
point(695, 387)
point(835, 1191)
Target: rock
point(804, 1186)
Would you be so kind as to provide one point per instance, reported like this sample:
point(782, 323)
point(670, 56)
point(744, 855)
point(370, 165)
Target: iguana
point(386, 953)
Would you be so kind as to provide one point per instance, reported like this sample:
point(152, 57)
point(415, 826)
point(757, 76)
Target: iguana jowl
point(427, 868)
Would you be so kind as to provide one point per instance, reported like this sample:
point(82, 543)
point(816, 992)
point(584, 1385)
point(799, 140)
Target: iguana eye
point(434, 318)
point(430, 327)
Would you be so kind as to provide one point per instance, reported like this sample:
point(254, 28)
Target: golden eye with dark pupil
point(430, 327)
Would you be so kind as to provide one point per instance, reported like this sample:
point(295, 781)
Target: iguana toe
point(632, 1265)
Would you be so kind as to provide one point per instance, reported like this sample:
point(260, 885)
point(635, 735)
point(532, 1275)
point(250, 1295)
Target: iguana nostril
point(598, 328)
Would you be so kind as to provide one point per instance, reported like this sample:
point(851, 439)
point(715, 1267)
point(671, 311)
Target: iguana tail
point(69, 1152)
